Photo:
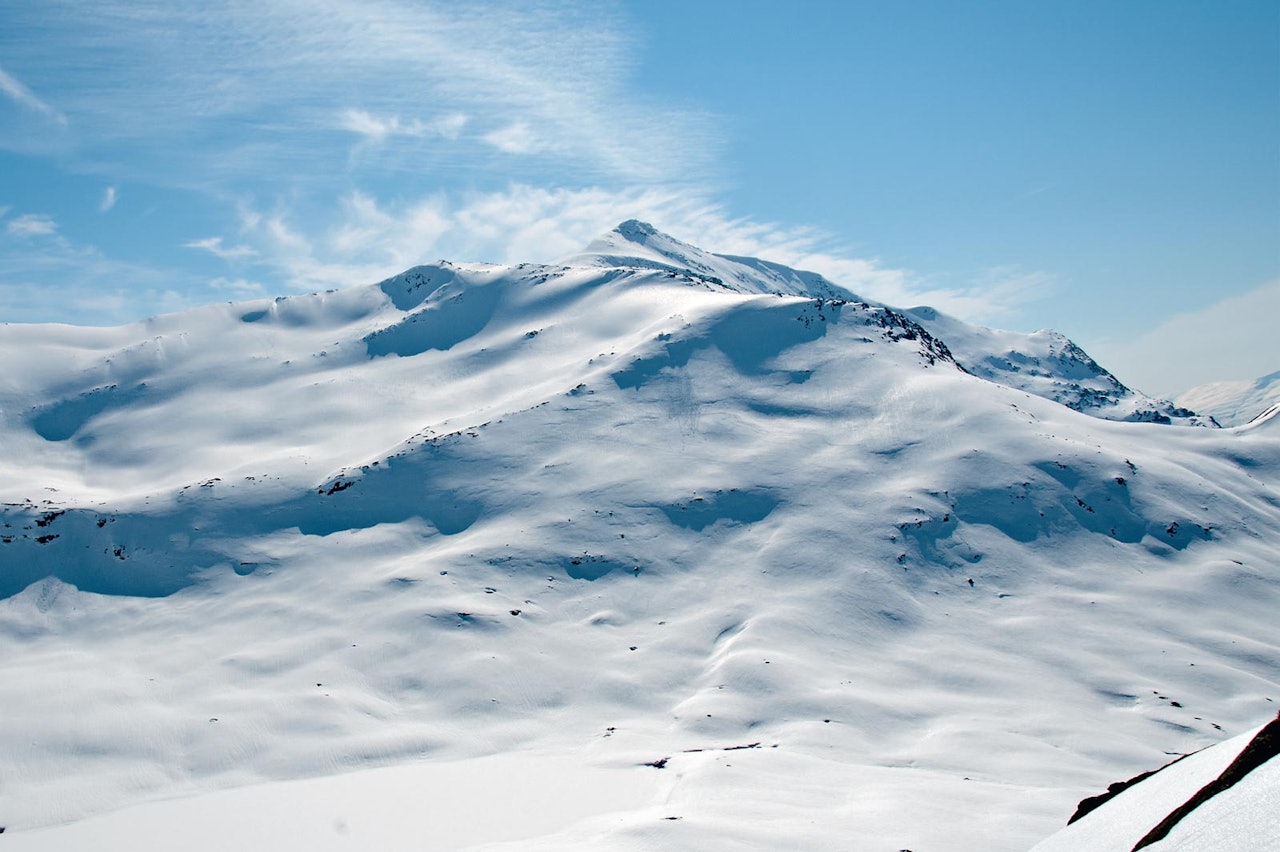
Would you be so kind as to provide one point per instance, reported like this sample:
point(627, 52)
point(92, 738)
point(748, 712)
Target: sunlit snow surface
point(1243, 818)
point(602, 517)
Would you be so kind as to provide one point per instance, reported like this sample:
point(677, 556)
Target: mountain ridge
point(1045, 363)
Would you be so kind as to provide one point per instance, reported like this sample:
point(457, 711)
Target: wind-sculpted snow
point(411, 288)
point(61, 420)
point(442, 325)
point(777, 556)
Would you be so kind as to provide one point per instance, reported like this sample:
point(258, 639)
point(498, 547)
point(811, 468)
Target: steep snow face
point(1048, 364)
point(1235, 403)
point(1241, 817)
point(779, 556)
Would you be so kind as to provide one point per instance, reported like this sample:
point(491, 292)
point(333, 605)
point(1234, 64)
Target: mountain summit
point(704, 550)
point(638, 245)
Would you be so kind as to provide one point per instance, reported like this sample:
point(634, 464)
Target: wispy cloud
point(14, 88)
point(516, 138)
point(214, 246)
point(245, 89)
point(32, 225)
point(379, 129)
point(108, 199)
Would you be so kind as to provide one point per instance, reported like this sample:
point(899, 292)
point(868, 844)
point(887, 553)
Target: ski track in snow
point(566, 522)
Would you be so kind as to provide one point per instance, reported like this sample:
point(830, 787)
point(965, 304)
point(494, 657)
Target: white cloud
point(1232, 339)
point(214, 246)
point(32, 225)
point(517, 138)
point(360, 122)
point(377, 130)
point(14, 88)
point(450, 126)
point(108, 199)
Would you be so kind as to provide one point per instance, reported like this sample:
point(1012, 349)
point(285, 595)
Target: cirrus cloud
point(241, 90)
point(214, 246)
point(20, 94)
point(32, 225)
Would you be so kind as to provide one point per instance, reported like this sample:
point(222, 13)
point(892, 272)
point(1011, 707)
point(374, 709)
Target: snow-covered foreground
point(1243, 817)
point(415, 807)
point(760, 570)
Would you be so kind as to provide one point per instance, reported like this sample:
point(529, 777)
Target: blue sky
point(1108, 169)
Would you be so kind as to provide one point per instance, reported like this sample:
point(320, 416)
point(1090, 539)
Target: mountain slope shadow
point(440, 325)
point(61, 420)
point(734, 506)
point(130, 554)
point(750, 336)
point(393, 491)
point(157, 553)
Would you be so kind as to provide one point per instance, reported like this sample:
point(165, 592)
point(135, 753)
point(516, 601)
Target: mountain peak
point(634, 244)
point(636, 231)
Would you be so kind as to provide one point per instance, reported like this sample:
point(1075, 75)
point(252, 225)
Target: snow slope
point(1244, 817)
point(1235, 403)
point(777, 559)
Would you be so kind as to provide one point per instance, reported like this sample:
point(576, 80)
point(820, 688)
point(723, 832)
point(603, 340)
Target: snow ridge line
point(1260, 749)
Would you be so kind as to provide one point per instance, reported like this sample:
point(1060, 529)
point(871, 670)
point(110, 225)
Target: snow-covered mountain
point(1235, 403)
point(1050, 365)
point(1044, 363)
point(639, 246)
point(777, 566)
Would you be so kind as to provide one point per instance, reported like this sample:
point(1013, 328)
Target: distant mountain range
point(1235, 403)
point(778, 566)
